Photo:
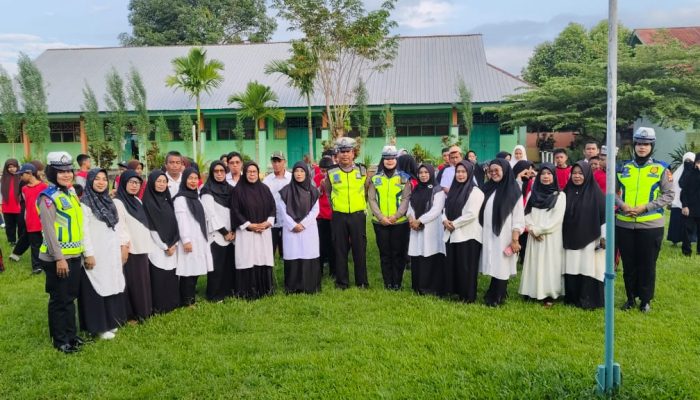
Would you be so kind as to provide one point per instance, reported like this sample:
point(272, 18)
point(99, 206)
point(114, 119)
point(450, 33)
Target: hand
point(253, 227)
point(415, 224)
point(685, 211)
point(602, 243)
point(385, 221)
point(89, 262)
point(539, 238)
point(625, 209)
point(62, 268)
point(229, 237)
point(298, 228)
point(448, 225)
point(639, 210)
point(170, 251)
point(187, 247)
point(392, 219)
point(125, 253)
point(515, 245)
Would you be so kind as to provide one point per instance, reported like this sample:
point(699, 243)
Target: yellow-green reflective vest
point(69, 220)
point(389, 192)
point(348, 190)
point(640, 185)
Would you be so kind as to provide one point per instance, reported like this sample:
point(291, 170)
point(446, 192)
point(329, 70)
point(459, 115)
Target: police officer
point(60, 254)
point(645, 188)
point(346, 183)
point(388, 194)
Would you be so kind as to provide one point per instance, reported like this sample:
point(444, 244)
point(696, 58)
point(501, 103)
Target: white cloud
point(685, 16)
point(509, 58)
point(424, 14)
point(11, 44)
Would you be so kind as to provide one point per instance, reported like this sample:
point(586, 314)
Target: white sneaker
point(2, 225)
point(14, 257)
point(107, 335)
point(114, 330)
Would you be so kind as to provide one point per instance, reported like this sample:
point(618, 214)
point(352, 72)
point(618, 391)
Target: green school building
point(420, 87)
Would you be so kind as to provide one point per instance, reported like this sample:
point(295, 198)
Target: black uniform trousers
point(639, 249)
point(691, 225)
point(349, 232)
point(62, 294)
point(277, 242)
point(392, 241)
point(325, 240)
point(14, 224)
point(33, 240)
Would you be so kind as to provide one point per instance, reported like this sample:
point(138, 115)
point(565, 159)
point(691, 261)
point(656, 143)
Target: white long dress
point(103, 243)
point(254, 249)
point(199, 261)
point(587, 261)
point(494, 262)
point(543, 268)
point(302, 245)
point(429, 240)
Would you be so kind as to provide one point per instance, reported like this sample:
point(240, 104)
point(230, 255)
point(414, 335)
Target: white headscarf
point(676, 203)
point(512, 155)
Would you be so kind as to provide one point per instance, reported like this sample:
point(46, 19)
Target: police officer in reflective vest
point(347, 184)
point(61, 251)
point(644, 189)
point(388, 194)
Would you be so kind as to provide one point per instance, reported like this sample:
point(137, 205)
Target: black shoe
point(687, 253)
point(67, 348)
point(79, 342)
point(645, 307)
point(628, 305)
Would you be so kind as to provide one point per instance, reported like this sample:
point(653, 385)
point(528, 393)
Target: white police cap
point(389, 151)
point(644, 135)
point(60, 160)
point(345, 143)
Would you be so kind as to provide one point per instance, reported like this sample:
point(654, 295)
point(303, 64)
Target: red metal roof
point(688, 35)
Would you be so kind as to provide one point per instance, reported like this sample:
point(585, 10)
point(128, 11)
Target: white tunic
point(218, 217)
point(587, 261)
point(493, 262)
point(543, 269)
point(467, 226)
point(158, 257)
point(199, 260)
point(102, 242)
point(428, 241)
point(254, 248)
point(133, 231)
point(276, 183)
point(302, 245)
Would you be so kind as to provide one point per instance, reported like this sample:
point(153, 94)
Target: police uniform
point(62, 219)
point(348, 202)
point(388, 194)
point(642, 181)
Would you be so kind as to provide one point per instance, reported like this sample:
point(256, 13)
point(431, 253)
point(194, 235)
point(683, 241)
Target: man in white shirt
point(448, 173)
point(276, 181)
point(173, 171)
point(235, 166)
point(590, 150)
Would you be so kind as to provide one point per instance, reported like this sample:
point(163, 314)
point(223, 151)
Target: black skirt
point(254, 283)
point(428, 274)
point(302, 276)
point(462, 269)
point(165, 289)
point(139, 302)
point(584, 292)
point(676, 228)
point(220, 281)
point(99, 314)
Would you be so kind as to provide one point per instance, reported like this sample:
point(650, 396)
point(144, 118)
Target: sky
point(510, 28)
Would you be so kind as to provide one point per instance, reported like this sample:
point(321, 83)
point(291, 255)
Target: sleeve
point(47, 215)
point(666, 197)
point(157, 241)
point(287, 221)
point(410, 213)
point(518, 216)
point(470, 212)
point(310, 219)
point(555, 218)
point(215, 222)
point(405, 197)
point(435, 211)
point(89, 248)
point(603, 231)
point(326, 183)
point(372, 200)
point(122, 228)
point(183, 223)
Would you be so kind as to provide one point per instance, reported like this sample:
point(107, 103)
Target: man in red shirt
point(30, 193)
point(563, 170)
point(324, 217)
point(598, 168)
point(85, 164)
point(445, 158)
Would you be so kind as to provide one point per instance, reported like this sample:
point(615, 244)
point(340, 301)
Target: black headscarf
point(220, 191)
point(100, 203)
point(299, 197)
point(131, 202)
point(544, 196)
point(507, 194)
point(159, 210)
point(381, 168)
point(192, 198)
point(502, 155)
point(251, 202)
point(407, 164)
point(459, 192)
point(10, 179)
point(585, 210)
point(422, 197)
point(519, 167)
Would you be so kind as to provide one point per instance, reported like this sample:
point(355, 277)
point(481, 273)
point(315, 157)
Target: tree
point(197, 22)
point(239, 133)
point(348, 42)
point(300, 70)
point(94, 127)
point(115, 99)
point(36, 118)
point(163, 133)
point(388, 125)
point(194, 75)
point(361, 116)
point(185, 125)
point(10, 117)
point(142, 122)
point(465, 108)
point(258, 102)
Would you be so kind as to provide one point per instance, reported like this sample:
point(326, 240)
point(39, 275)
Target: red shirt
point(324, 205)
point(10, 204)
point(82, 174)
point(31, 214)
point(563, 175)
point(599, 176)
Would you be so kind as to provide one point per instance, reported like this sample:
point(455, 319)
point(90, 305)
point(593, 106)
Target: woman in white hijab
point(519, 154)
point(675, 225)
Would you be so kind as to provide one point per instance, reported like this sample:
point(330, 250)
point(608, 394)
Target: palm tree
point(258, 102)
point(300, 71)
point(194, 75)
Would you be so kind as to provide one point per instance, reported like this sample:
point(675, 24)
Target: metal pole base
point(603, 387)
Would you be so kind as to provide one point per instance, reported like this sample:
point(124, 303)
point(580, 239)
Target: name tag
point(377, 181)
point(65, 204)
point(336, 178)
point(358, 175)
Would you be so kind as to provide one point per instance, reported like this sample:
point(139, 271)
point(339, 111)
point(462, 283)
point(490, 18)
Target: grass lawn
point(360, 344)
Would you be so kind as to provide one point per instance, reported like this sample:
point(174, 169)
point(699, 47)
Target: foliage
point(197, 22)
point(448, 140)
point(115, 99)
point(10, 117)
point(163, 133)
point(257, 102)
point(387, 117)
point(366, 160)
point(36, 118)
point(154, 155)
point(545, 141)
point(94, 126)
point(186, 129)
point(102, 153)
point(142, 121)
point(676, 156)
point(361, 116)
point(239, 133)
point(349, 43)
point(423, 155)
point(465, 108)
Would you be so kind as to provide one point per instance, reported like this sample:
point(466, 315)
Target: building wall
point(667, 140)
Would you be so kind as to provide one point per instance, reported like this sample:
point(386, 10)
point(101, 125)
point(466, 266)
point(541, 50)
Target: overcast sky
point(510, 28)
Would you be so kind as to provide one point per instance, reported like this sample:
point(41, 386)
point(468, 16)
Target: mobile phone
point(508, 251)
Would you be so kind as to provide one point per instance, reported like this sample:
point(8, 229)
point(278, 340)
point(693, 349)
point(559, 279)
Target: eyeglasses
point(134, 182)
point(219, 171)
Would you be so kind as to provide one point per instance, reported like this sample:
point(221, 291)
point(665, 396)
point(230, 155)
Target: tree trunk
point(257, 143)
point(311, 129)
point(197, 131)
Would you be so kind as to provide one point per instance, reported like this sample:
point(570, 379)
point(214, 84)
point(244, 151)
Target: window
point(433, 124)
point(225, 129)
point(63, 132)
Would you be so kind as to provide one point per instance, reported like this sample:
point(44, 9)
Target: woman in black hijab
point(162, 258)
point(425, 245)
point(584, 239)
point(463, 233)
point(523, 171)
point(252, 216)
point(502, 218)
point(216, 197)
point(299, 204)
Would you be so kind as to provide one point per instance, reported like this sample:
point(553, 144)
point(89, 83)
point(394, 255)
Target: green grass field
point(360, 344)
